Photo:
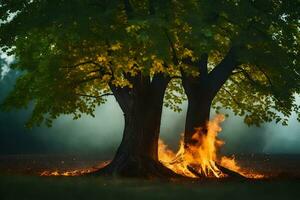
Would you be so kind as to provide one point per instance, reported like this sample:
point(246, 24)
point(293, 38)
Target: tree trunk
point(201, 90)
point(138, 147)
point(198, 113)
point(137, 155)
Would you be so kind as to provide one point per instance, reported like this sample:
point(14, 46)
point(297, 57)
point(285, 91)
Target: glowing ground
point(19, 180)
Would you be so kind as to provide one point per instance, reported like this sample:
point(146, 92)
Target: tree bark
point(201, 91)
point(198, 113)
point(137, 155)
point(199, 97)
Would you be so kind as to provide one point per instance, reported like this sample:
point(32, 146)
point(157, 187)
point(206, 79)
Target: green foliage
point(68, 52)
point(264, 86)
point(175, 95)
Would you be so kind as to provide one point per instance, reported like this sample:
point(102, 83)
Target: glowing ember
point(200, 159)
point(231, 164)
point(77, 172)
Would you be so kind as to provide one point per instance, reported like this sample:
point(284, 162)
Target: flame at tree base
point(200, 159)
point(197, 160)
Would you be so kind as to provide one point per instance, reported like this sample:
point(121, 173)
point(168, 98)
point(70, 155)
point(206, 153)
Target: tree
point(239, 55)
point(74, 54)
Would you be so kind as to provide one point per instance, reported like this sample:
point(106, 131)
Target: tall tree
point(73, 54)
point(241, 55)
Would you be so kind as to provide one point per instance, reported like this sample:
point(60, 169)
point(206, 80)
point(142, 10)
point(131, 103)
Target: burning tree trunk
point(142, 107)
point(201, 91)
point(198, 113)
point(199, 141)
point(199, 96)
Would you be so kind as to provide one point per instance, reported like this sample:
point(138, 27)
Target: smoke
point(88, 135)
point(101, 135)
point(284, 139)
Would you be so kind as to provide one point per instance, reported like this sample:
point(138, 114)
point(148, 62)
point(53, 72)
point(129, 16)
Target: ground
point(28, 187)
point(19, 180)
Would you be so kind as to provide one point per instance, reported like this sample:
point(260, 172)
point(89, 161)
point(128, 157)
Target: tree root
point(141, 168)
point(147, 168)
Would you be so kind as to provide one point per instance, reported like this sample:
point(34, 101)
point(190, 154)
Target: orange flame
point(200, 159)
point(197, 160)
point(76, 172)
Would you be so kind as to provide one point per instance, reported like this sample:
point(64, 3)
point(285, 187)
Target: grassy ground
point(19, 180)
point(33, 187)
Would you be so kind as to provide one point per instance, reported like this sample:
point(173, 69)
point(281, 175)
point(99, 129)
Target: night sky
point(102, 134)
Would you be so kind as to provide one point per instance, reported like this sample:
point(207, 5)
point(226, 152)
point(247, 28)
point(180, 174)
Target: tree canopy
point(69, 52)
point(266, 79)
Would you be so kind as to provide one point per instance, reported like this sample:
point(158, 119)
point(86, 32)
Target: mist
point(101, 135)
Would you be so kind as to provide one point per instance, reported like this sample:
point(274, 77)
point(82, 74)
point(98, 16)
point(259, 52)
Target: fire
point(197, 160)
point(77, 172)
point(200, 159)
point(66, 173)
point(230, 163)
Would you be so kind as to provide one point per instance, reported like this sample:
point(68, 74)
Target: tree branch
point(236, 83)
point(231, 96)
point(234, 100)
point(80, 64)
point(123, 96)
point(86, 80)
point(248, 76)
point(174, 56)
point(92, 96)
point(223, 70)
point(200, 64)
point(128, 8)
point(266, 75)
point(203, 65)
point(241, 89)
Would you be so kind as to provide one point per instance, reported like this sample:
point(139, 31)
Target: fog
point(102, 134)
